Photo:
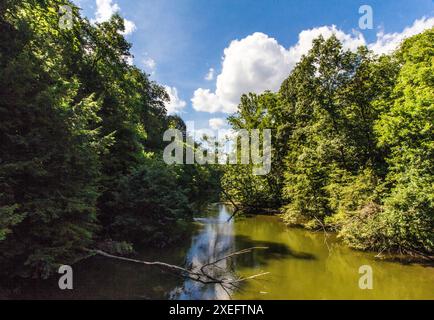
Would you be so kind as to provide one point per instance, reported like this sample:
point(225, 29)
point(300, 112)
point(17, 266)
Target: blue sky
point(179, 41)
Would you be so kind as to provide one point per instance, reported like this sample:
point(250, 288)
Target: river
point(301, 263)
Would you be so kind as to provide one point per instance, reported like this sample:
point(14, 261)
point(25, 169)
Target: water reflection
point(300, 263)
point(215, 241)
point(218, 238)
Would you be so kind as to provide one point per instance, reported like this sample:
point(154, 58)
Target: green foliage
point(8, 219)
point(355, 203)
point(353, 145)
point(409, 214)
point(330, 92)
point(408, 130)
point(77, 126)
point(81, 137)
point(49, 149)
point(349, 194)
point(405, 221)
point(150, 201)
point(254, 192)
point(120, 248)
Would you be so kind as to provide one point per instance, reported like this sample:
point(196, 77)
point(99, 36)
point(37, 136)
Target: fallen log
point(200, 274)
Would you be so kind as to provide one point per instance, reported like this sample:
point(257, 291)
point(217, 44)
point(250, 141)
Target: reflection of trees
point(214, 242)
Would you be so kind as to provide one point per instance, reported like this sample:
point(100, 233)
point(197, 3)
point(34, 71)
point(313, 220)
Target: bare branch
point(326, 235)
point(236, 209)
point(199, 274)
point(233, 254)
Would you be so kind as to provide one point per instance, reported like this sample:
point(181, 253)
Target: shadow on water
point(300, 264)
point(274, 251)
point(217, 239)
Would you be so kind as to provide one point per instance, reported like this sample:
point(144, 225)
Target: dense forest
point(353, 146)
point(81, 143)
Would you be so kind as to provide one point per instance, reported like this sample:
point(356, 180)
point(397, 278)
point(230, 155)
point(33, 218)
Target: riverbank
point(301, 263)
point(393, 256)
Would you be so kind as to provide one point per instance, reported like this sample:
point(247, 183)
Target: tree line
point(353, 146)
point(81, 142)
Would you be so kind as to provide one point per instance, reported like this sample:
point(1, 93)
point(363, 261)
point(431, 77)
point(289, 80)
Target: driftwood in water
point(200, 274)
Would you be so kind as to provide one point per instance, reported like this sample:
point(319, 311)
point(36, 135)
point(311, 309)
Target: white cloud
point(149, 64)
point(205, 100)
point(258, 62)
point(130, 27)
point(216, 123)
point(387, 42)
point(253, 64)
point(104, 11)
point(176, 104)
point(210, 75)
point(306, 37)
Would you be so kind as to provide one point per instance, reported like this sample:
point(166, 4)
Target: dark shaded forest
point(81, 142)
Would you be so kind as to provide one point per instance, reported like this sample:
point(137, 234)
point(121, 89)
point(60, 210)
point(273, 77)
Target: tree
point(254, 192)
point(407, 128)
point(80, 127)
point(49, 147)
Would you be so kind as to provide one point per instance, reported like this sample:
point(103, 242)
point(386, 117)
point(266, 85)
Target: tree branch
point(232, 202)
point(198, 274)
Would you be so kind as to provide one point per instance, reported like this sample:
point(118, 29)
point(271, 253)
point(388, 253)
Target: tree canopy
point(352, 145)
point(81, 136)
point(81, 145)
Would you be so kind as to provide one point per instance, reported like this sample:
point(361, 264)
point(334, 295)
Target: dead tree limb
point(236, 208)
point(326, 235)
point(198, 274)
point(231, 255)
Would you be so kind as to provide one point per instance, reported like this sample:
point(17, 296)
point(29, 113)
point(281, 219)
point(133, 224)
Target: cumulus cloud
point(306, 37)
point(387, 42)
point(104, 11)
point(176, 104)
point(216, 123)
point(207, 101)
point(258, 62)
point(253, 64)
point(150, 65)
point(210, 75)
point(130, 27)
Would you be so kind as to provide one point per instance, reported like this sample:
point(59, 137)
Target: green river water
point(301, 265)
